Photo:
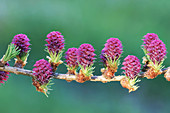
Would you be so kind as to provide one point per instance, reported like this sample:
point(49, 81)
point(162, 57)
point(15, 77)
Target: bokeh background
point(84, 21)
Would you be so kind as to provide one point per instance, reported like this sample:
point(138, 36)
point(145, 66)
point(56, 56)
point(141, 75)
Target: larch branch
point(67, 77)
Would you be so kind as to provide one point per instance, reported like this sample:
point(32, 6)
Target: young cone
point(131, 70)
point(43, 73)
point(55, 48)
point(71, 60)
point(21, 41)
point(155, 52)
point(85, 58)
point(4, 75)
point(110, 57)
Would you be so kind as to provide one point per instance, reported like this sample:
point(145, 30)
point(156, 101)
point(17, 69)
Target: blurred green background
point(84, 21)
